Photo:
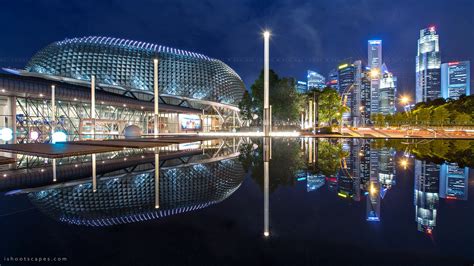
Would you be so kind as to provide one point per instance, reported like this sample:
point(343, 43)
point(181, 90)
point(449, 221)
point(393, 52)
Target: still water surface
point(235, 201)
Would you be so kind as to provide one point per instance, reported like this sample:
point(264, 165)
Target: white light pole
point(266, 84)
point(93, 105)
point(53, 109)
point(156, 97)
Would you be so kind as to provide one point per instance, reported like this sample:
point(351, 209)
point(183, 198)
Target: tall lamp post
point(156, 97)
point(266, 84)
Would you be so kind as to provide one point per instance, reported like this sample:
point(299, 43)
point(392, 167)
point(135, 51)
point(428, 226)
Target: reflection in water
point(143, 191)
point(267, 150)
point(362, 168)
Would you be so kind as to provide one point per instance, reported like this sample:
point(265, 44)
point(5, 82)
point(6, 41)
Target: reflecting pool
point(249, 201)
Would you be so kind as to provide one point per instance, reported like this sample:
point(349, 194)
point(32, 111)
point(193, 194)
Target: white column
point(156, 97)
point(302, 121)
point(270, 119)
point(94, 172)
point(93, 105)
point(266, 83)
point(157, 180)
point(53, 109)
point(310, 114)
point(314, 115)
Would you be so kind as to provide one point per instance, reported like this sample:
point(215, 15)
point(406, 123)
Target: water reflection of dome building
point(131, 197)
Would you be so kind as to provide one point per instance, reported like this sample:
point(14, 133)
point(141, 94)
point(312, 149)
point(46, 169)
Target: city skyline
point(234, 36)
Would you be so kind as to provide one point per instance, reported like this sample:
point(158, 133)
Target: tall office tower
point(453, 181)
point(301, 87)
point(356, 94)
point(315, 80)
point(365, 99)
point(428, 63)
point(333, 79)
point(426, 195)
point(455, 79)
point(346, 75)
point(387, 92)
point(375, 64)
point(375, 53)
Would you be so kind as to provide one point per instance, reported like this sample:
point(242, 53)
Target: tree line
point(436, 113)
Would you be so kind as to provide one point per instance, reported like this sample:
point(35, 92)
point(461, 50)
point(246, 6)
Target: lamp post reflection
point(266, 185)
point(157, 179)
point(54, 170)
point(94, 172)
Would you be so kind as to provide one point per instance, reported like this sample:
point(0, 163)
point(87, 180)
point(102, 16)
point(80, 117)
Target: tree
point(440, 115)
point(285, 101)
point(423, 115)
point(330, 106)
point(379, 119)
point(462, 119)
point(399, 118)
point(245, 106)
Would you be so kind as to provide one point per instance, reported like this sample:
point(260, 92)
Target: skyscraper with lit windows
point(428, 64)
point(375, 64)
point(315, 80)
point(387, 92)
point(455, 79)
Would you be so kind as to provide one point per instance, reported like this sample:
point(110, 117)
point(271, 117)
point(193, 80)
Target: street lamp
point(404, 163)
point(374, 73)
point(266, 83)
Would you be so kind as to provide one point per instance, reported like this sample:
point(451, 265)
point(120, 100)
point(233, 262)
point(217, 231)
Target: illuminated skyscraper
point(455, 79)
point(346, 76)
point(333, 79)
point(365, 99)
point(315, 80)
point(428, 63)
point(375, 53)
point(387, 92)
point(301, 87)
point(375, 64)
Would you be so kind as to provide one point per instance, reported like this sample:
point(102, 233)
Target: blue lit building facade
point(387, 92)
point(374, 55)
point(346, 79)
point(333, 79)
point(455, 79)
point(315, 80)
point(428, 66)
point(190, 84)
point(301, 86)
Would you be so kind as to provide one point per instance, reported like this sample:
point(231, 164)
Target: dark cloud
point(306, 34)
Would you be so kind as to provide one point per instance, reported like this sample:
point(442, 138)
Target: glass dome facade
point(129, 65)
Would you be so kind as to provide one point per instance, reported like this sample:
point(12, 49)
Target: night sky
point(307, 34)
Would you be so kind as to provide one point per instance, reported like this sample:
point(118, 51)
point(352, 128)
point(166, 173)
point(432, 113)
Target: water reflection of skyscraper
point(361, 168)
point(367, 167)
point(432, 181)
point(426, 195)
